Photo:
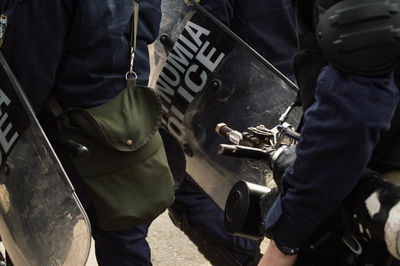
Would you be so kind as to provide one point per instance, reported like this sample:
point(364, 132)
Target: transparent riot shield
point(41, 220)
point(206, 75)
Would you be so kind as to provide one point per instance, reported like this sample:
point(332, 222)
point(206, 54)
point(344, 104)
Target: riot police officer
point(348, 52)
point(79, 52)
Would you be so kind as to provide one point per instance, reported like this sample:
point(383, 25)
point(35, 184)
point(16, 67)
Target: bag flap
point(126, 123)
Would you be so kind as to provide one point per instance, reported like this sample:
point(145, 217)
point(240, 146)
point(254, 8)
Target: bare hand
point(274, 257)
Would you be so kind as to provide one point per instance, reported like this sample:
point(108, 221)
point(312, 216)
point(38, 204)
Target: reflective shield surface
point(206, 75)
point(41, 219)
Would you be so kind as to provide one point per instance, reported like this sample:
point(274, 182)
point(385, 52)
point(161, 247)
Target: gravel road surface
point(169, 246)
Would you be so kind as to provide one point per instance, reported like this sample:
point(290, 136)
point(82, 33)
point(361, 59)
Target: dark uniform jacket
point(78, 49)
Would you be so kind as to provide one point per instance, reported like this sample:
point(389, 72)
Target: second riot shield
point(206, 75)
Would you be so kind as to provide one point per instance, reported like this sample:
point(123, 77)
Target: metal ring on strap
point(129, 75)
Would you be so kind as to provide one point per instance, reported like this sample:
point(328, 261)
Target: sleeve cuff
point(282, 229)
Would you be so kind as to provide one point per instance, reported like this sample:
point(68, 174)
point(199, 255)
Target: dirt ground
point(170, 246)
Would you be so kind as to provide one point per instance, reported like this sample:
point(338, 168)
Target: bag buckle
point(352, 243)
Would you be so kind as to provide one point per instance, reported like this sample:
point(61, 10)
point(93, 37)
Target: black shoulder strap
point(307, 63)
point(387, 152)
point(305, 11)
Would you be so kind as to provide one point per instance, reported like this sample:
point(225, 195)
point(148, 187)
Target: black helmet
point(360, 36)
